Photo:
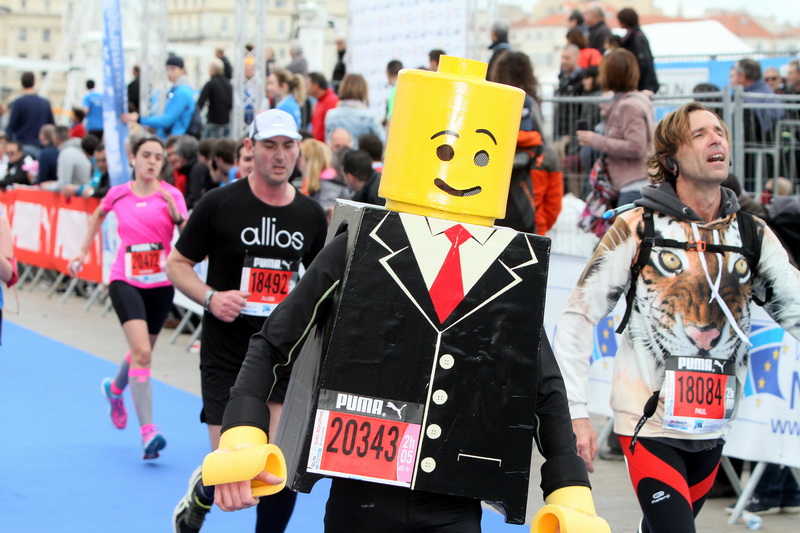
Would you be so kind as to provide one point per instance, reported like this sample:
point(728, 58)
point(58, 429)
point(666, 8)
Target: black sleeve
point(201, 100)
point(319, 237)
point(196, 183)
point(194, 241)
point(280, 339)
point(555, 439)
point(102, 188)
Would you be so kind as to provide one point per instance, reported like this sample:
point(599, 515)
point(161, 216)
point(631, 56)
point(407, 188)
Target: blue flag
point(764, 359)
point(605, 340)
point(115, 95)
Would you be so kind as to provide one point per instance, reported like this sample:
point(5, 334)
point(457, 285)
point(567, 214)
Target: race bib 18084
point(268, 281)
point(362, 437)
point(699, 393)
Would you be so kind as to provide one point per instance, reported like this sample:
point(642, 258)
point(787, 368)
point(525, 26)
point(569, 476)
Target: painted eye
point(445, 152)
point(669, 262)
point(742, 269)
point(482, 158)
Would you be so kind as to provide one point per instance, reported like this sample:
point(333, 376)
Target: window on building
point(23, 4)
point(47, 5)
point(45, 57)
point(281, 26)
point(23, 34)
point(224, 25)
point(23, 55)
point(46, 35)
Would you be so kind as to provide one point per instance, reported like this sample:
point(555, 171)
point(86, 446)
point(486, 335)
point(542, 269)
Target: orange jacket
point(547, 178)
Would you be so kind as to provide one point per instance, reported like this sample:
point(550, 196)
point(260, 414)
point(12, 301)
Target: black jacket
point(218, 92)
point(637, 43)
point(598, 35)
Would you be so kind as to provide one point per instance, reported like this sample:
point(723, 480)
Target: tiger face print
point(675, 297)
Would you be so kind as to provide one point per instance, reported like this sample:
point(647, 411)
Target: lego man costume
point(422, 374)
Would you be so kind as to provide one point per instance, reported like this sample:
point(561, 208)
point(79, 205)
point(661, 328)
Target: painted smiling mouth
point(472, 191)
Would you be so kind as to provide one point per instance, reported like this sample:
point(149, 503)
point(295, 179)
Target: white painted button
point(439, 397)
point(447, 361)
point(434, 431)
point(428, 465)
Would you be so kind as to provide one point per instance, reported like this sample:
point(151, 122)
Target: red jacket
point(547, 178)
point(326, 102)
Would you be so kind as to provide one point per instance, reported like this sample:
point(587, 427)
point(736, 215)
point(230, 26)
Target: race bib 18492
point(268, 281)
point(362, 437)
point(699, 393)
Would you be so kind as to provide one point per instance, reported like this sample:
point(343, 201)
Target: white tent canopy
point(694, 38)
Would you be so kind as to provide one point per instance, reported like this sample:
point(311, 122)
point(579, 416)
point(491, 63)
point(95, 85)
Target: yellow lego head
point(451, 143)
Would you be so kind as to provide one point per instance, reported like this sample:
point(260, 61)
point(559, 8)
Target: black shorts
point(215, 387)
point(132, 303)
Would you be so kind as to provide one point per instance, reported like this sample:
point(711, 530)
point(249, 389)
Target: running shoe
point(118, 413)
point(756, 506)
point(190, 512)
point(152, 442)
point(790, 507)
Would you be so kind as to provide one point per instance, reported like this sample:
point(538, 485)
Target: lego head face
point(451, 143)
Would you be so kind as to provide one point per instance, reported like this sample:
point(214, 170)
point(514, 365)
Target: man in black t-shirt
point(258, 234)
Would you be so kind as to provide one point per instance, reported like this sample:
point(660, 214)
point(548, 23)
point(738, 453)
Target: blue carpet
point(65, 468)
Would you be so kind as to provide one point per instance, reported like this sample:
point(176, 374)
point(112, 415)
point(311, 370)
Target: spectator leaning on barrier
point(15, 174)
point(627, 137)
point(678, 318)
point(179, 110)
point(73, 167)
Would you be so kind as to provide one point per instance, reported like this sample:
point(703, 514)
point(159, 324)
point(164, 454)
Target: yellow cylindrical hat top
point(451, 143)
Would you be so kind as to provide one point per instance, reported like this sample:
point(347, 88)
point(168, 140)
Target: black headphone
point(671, 164)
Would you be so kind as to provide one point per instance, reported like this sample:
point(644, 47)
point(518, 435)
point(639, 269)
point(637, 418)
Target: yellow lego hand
point(242, 455)
point(569, 510)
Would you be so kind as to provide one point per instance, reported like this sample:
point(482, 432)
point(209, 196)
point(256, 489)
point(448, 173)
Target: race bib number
point(361, 437)
point(699, 394)
point(145, 263)
point(268, 281)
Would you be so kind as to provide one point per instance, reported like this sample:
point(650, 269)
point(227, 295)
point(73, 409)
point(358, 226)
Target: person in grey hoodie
point(73, 166)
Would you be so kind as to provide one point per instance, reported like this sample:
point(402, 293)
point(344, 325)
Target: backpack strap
point(752, 250)
point(644, 255)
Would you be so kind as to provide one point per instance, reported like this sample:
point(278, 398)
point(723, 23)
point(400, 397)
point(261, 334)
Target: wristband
point(80, 189)
point(207, 299)
point(179, 221)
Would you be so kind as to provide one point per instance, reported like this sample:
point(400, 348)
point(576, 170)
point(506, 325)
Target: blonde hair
point(318, 157)
point(296, 83)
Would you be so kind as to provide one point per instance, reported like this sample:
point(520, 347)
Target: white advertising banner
point(382, 30)
point(767, 425)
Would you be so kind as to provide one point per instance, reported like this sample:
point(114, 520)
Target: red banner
point(48, 230)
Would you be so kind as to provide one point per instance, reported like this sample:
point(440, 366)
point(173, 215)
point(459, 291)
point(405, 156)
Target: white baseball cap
point(273, 123)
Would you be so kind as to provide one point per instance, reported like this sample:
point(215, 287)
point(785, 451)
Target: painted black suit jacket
point(496, 392)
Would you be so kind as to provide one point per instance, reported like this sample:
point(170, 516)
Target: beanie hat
point(175, 61)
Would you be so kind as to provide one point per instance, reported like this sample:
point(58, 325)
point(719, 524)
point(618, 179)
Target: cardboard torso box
point(400, 398)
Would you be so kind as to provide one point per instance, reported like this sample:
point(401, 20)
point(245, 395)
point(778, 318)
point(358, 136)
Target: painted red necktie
point(448, 288)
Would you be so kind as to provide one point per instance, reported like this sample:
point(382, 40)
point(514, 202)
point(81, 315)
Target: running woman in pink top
point(147, 211)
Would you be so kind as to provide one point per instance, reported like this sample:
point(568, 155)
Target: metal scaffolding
point(154, 26)
point(248, 94)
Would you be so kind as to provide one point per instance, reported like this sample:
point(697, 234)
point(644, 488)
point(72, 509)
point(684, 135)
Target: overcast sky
point(788, 10)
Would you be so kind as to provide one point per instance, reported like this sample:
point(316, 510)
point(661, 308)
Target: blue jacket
point(178, 112)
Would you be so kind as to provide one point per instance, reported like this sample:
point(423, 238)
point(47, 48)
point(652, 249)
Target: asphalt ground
point(175, 365)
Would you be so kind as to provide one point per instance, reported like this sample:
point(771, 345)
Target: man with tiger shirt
point(689, 315)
